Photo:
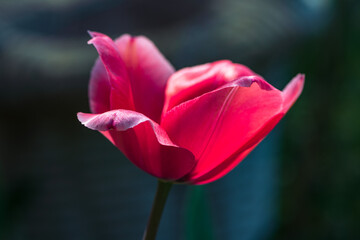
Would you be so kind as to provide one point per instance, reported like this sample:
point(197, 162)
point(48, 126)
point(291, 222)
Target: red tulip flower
point(191, 126)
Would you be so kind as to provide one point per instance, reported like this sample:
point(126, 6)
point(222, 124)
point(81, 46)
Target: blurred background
point(60, 180)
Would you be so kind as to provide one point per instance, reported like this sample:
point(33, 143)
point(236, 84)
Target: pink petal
point(99, 89)
point(224, 122)
point(120, 90)
point(290, 94)
point(292, 91)
point(109, 55)
point(148, 71)
point(143, 142)
point(231, 162)
point(191, 82)
point(137, 71)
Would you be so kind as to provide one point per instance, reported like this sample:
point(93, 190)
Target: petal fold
point(143, 142)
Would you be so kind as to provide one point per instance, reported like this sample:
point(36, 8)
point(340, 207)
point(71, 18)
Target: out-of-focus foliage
point(321, 178)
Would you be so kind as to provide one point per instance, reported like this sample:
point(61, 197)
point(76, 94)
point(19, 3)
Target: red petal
point(292, 91)
point(189, 83)
point(218, 124)
point(148, 71)
point(99, 89)
point(231, 162)
point(120, 91)
point(290, 94)
point(143, 142)
point(138, 73)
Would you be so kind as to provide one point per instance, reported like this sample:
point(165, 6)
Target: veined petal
point(191, 82)
point(217, 124)
point(143, 142)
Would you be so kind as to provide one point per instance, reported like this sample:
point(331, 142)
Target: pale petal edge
point(166, 160)
point(292, 91)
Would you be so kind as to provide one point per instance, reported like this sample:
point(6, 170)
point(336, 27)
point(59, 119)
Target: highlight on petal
point(219, 124)
point(143, 142)
point(191, 82)
point(120, 120)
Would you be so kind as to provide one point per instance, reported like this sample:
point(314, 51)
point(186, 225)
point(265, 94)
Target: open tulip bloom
point(192, 126)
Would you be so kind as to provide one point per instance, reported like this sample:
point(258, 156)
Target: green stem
point(162, 192)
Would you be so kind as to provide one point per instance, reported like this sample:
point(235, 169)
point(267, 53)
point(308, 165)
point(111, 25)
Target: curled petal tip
point(84, 118)
point(293, 90)
point(96, 121)
point(93, 35)
point(296, 84)
point(299, 78)
point(80, 116)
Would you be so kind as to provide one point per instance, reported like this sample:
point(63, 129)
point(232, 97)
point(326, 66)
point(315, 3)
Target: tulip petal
point(143, 142)
point(223, 122)
point(290, 94)
point(191, 82)
point(292, 91)
point(99, 89)
point(148, 71)
point(120, 91)
point(231, 162)
point(137, 71)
